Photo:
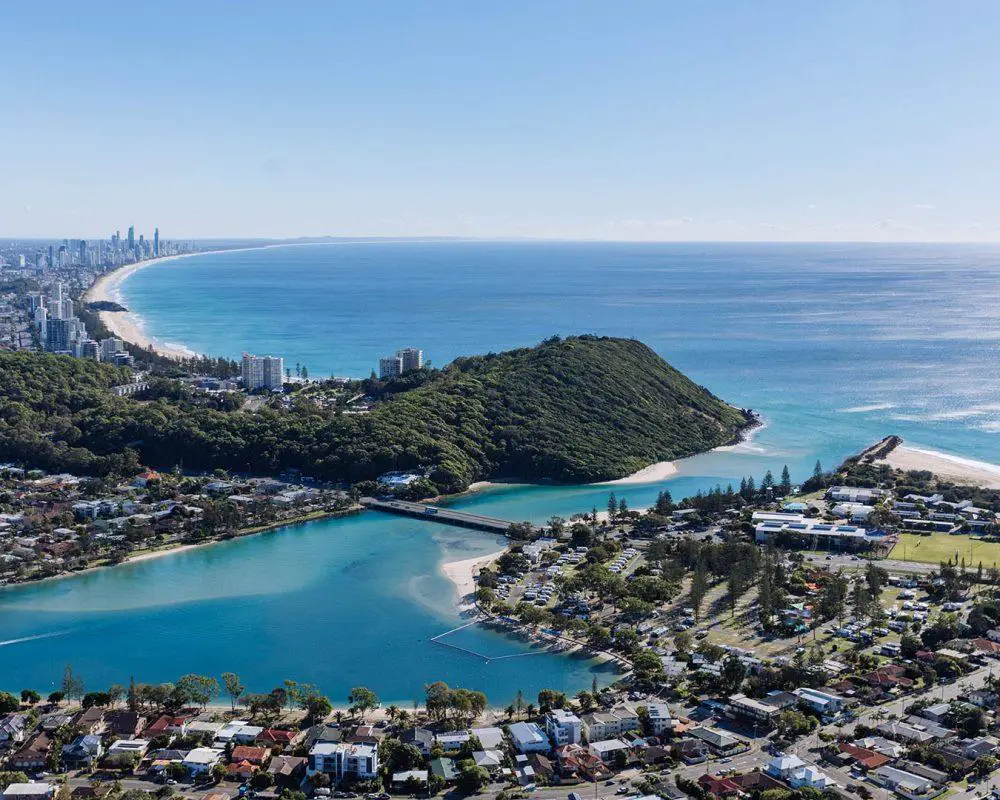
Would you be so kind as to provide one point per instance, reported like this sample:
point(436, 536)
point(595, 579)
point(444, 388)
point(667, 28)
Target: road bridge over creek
point(445, 516)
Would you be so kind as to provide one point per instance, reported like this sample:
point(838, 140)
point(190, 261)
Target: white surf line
point(34, 638)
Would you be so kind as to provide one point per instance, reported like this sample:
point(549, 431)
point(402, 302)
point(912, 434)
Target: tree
point(30, 696)
point(550, 698)
point(612, 506)
point(318, 707)
point(234, 688)
point(7, 778)
point(786, 481)
point(699, 587)
point(362, 700)
point(791, 724)
point(218, 772)
point(72, 685)
point(197, 688)
point(984, 765)
point(472, 779)
point(115, 693)
point(8, 703)
point(908, 644)
point(733, 673)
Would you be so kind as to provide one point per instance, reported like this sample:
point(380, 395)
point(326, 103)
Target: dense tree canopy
point(575, 410)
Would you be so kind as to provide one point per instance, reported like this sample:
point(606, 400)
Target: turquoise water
point(836, 345)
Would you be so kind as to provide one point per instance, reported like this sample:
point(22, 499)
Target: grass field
point(940, 547)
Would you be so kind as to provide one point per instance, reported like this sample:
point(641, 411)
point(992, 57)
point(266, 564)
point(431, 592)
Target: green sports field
point(940, 547)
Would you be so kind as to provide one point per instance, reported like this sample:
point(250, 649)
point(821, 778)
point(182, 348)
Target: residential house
point(287, 771)
point(906, 784)
point(719, 786)
point(411, 777)
point(124, 723)
point(609, 750)
point(32, 756)
point(825, 704)
point(276, 737)
point(167, 724)
point(490, 760)
point(719, 742)
point(757, 782)
point(90, 720)
point(201, 760)
point(692, 751)
point(578, 762)
point(83, 751)
point(29, 791)
point(421, 738)
point(453, 741)
point(490, 738)
point(13, 729)
point(864, 757)
point(136, 746)
point(444, 768)
point(904, 732)
point(254, 755)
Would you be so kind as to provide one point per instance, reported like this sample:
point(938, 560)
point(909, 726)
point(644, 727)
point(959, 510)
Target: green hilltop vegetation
point(572, 410)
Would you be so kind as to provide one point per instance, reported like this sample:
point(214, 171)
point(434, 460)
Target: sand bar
point(462, 573)
point(654, 473)
point(948, 467)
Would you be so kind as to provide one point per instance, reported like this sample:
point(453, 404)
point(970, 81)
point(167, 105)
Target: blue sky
point(612, 120)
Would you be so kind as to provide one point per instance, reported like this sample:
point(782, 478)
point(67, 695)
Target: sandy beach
point(462, 573)
point(125, 324)
point(128, 325)
point(951, 468)
point(654, 473)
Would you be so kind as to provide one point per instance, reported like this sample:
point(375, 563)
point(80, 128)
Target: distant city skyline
point(569, 119)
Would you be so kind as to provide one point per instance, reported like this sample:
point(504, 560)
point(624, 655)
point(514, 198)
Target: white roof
point(203, 755)
point(41, 789)
point(608, 746)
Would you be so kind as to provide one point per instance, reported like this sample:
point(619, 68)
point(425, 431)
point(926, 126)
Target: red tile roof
point(868, 759)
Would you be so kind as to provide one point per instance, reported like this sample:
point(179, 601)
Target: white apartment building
point(563, 727)
point(411, 357)
point(262, 372)
point(390, 367)
point(338, 759)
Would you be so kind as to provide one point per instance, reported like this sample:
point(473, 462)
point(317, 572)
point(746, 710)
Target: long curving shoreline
point(129, 325)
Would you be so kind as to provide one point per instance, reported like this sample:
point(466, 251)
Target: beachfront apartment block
point(563, 727)
point(340, 759)
point(263, 372)
point(390, 367)
point(406, 360)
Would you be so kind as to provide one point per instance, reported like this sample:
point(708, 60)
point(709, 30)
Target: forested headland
point(578, 409)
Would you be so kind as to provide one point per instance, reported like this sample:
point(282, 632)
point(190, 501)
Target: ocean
point(835, 345)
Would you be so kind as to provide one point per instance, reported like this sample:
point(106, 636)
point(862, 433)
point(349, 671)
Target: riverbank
point(955, 469)
point(174, 549)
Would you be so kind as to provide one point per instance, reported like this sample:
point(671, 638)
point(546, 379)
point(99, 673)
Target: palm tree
point(530, 710)
point(403, 716)
point(392, 712)
point(509, 711)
